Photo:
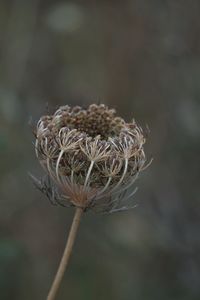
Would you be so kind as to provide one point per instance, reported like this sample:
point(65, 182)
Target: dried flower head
point(91, 157)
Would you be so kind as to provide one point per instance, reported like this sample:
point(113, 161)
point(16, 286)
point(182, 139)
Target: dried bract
point(91, 157)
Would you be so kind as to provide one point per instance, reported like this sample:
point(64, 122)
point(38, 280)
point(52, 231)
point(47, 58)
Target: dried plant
point(91, 158)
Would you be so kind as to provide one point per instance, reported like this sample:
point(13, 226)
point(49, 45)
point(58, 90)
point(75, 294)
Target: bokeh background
point(143, 58)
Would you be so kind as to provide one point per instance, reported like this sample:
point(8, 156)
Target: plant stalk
point(66, 255)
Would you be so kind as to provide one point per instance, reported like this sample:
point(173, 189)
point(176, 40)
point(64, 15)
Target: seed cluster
point(96, 120)
point(91, 155)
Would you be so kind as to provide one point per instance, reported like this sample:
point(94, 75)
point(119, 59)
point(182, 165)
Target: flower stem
point(66, 255)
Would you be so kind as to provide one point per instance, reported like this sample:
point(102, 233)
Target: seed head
point(91, 157)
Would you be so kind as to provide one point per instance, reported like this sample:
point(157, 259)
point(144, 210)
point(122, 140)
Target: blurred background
point(142, 58)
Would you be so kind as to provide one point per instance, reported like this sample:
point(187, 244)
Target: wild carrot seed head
point(91, 155)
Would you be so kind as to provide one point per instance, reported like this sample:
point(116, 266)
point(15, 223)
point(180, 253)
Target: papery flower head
point(91, 156)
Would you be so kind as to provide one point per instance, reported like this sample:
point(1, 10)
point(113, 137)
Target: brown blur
point(142, 58)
